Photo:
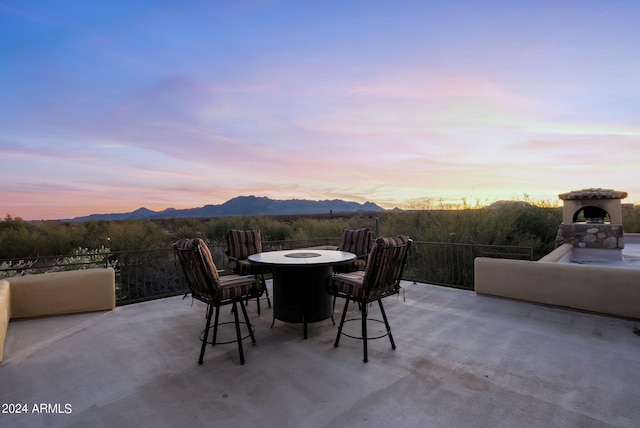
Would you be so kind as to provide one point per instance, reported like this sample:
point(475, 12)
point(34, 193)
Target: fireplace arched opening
point(591, 214)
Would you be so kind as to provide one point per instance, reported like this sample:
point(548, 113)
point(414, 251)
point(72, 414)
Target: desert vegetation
point(509, 223)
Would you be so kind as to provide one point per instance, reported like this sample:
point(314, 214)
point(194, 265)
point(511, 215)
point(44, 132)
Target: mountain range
point(243, 205)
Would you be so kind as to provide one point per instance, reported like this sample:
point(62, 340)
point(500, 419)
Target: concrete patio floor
point(462, 360)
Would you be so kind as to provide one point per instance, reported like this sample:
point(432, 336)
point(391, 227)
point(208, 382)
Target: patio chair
point(240, 245)
point(380, 279)
point(207, 286)
point(357, 242)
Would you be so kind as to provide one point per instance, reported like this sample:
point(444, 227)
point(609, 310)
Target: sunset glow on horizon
point(106, 107)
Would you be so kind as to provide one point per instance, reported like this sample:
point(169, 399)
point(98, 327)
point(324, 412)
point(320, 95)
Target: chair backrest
point(199, 268)
point(357, 241)
point(385, 265)
point(242, 243)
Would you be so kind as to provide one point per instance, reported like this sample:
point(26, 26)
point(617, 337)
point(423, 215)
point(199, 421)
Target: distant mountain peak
point(142, 210)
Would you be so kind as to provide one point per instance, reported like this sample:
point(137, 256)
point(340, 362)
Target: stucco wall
point(62, 292)
point(54, 294)
point(561, 254)
point(5, 312)
point(607, 290)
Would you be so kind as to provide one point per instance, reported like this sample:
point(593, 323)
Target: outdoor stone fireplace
point(592, 222)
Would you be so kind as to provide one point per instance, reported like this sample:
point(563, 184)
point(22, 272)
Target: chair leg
point(206, 332)
point(333, 308)
point(386, 323)
point(215, 327)
point(238, 335)
point(344, 314)
point(364, 331)
point(266, 290)
point(246, 320)
point(304, 327)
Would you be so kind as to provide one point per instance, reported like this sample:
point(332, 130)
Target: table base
point(300, 296)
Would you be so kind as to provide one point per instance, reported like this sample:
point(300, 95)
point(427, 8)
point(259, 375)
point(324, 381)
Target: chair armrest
point(230, 257)
point(233, 259)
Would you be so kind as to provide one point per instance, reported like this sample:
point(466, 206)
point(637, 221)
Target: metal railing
point(451, 264)
point(150, 274)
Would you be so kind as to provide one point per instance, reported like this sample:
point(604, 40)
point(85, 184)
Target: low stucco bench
point(602, 289)
point(55, 293)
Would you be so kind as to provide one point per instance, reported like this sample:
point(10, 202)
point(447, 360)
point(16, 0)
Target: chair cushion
point(390, 241)
point(242, 243)
point(245, 267)
point(355, 241)
point(386, 242)
point(201, 273)
point(210, 265)
point(348, 283)
point(390, 269)
point(234, 286)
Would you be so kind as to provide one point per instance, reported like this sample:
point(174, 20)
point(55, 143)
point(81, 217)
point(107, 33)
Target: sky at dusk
point(109, 106)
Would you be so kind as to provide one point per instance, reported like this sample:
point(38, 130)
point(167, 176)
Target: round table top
point(301, 257)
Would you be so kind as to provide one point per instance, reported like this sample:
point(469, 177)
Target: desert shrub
point(56, 239)
point(188, 228)
point(17, 239)
point(275, 231)
point(12, 268)
point(505, 224)
point(308, 228)
point(413, 223)
point(434, 225)
point(130, 235)
point(631, 219)
point(84, 258)
point(511, 223)
point(94, 233)
point(215, 230)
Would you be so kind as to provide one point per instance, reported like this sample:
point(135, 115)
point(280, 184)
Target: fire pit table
point(299, 278)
